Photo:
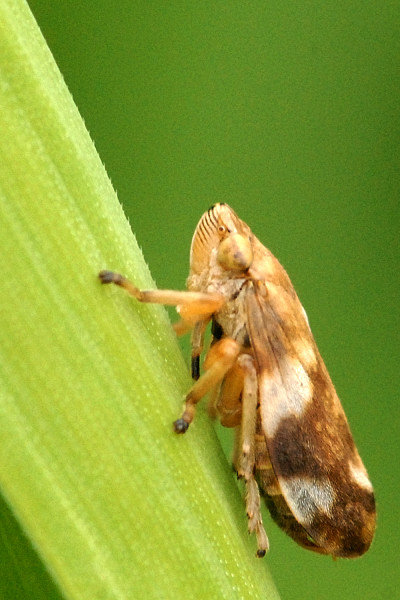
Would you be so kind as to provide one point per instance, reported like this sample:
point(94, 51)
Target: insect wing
point(311, 449)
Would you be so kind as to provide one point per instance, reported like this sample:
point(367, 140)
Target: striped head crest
point(220, 236)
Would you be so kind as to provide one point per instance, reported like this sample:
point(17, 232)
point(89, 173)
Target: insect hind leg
point(245, 452)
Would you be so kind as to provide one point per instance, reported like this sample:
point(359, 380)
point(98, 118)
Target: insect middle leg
point(219, 360)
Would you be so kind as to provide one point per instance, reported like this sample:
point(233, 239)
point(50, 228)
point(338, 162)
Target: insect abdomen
point(349, 536)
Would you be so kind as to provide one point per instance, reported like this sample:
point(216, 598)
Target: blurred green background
point(290, 113)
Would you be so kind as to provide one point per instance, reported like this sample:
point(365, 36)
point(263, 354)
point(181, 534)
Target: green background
point(290, 114)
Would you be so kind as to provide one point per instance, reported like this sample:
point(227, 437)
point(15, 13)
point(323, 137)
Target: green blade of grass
point(114, 504)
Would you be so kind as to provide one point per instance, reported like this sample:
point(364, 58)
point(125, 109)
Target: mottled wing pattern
point(311, 449)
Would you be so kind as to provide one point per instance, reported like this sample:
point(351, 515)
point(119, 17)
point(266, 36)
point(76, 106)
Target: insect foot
point(180, 426)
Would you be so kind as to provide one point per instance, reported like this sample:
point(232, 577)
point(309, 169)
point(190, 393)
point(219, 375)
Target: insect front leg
point(245, 451)
point(191, 306)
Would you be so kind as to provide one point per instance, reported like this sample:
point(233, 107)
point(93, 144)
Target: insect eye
point(235, 253)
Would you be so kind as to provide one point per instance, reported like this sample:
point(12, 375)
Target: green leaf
point(111, 501)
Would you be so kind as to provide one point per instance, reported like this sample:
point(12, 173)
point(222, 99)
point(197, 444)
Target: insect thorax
point(232, 318)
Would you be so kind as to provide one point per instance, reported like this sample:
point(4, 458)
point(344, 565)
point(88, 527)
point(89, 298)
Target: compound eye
point(235, 253)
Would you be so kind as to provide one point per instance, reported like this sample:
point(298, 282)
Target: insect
point(267, 379)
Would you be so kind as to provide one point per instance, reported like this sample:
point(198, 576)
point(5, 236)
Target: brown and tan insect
point(267, 379)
